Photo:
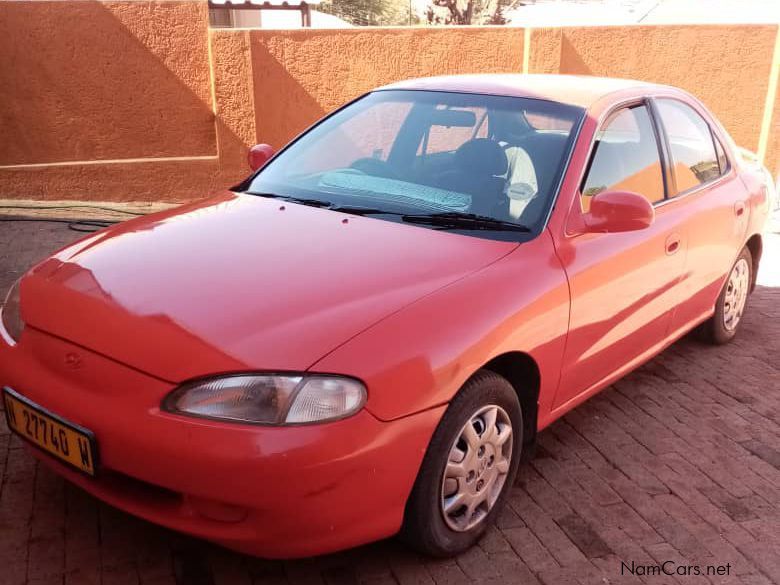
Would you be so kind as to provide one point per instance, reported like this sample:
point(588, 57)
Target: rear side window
point(694, 159)
point(625, 158)
point(723, 160)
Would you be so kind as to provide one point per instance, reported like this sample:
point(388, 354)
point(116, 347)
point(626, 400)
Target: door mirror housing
point(259, 154)
point(618, 211)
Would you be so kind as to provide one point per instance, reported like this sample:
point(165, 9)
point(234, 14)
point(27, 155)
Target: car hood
point(239, 282)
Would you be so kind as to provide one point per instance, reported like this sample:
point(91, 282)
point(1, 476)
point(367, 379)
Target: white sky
point(577, 13)
point(582, 12)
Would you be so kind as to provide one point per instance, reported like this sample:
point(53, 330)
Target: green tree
point(468, 11)
point(370, 12)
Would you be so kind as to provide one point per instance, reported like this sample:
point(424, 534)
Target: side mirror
point(259, 155)
point(618, 211)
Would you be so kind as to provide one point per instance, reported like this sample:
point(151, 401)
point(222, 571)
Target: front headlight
point(11, 313)
point(269, 399)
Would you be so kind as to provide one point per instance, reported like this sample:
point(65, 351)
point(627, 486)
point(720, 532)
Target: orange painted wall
point(301, 75)
point(90, 80)
point(726, 66)
point(118, 103)
point(139, 101)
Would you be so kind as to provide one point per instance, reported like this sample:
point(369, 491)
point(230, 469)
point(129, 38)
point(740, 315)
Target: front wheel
point(722, 326)
point(468, 469)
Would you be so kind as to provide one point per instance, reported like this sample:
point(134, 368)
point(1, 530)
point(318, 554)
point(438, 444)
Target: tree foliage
point(400, 12)
point(369, 12)
point(468, 11)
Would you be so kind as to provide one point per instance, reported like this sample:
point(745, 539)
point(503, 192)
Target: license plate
point(64, 440)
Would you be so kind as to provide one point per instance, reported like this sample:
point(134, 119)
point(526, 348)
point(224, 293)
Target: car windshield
point(465, 162)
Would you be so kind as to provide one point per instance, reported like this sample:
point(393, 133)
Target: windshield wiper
point(353, 209)
point(447, 219)
point(291, 199)
point(461, 220)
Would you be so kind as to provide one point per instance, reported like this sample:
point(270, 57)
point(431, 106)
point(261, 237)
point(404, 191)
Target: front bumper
point(272, 492)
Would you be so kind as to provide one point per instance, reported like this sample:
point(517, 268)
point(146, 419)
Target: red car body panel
point(503, 314)
point(252, 488)
point(237, 283)
point(242, 313)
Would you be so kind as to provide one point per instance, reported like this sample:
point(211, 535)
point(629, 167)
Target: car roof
point(576, 90)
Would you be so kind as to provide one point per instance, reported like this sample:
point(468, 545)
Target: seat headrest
point(546, 152)
point(482, 156)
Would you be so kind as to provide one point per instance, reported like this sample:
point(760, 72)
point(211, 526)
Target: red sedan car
point(365, 336)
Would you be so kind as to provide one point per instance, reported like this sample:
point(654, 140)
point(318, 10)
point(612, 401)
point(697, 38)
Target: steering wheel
point(374, 166)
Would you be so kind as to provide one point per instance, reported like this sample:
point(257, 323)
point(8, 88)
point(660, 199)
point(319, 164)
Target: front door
point(624, 286)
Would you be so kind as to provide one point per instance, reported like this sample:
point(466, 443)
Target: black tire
point(424, 527)
point(714, 330)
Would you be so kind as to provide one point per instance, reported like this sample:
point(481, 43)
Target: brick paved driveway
point(678, 462)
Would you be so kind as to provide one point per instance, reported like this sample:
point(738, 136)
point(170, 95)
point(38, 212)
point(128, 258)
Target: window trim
point(574, 138)
point(713, 136)
point(664, 152)
point(719, 143)
point(660, 144)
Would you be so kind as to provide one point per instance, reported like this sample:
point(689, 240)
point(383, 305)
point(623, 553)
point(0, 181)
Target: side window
point(625, 157)
point(723, 161)
point(694, 159)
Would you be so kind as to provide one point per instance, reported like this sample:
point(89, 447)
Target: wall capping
point(116, 161)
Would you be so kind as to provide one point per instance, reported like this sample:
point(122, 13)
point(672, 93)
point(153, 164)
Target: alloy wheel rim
point(736, 294)
point(477, 468)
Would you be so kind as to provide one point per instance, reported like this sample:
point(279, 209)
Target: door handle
point(672, 244)
point(739, 208)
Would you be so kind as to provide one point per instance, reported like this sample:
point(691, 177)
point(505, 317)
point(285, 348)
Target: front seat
point(546, 153)
point(480, 167)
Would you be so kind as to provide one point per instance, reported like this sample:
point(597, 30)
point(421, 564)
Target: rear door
point(709, 196)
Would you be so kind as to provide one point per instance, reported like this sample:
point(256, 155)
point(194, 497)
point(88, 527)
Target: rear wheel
point(468, 469)
point(730, 306)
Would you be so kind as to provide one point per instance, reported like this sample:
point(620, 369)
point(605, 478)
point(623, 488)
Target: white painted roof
point(284, 19)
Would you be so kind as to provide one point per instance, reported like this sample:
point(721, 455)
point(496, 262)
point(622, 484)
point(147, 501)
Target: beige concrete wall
point(137, 100)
